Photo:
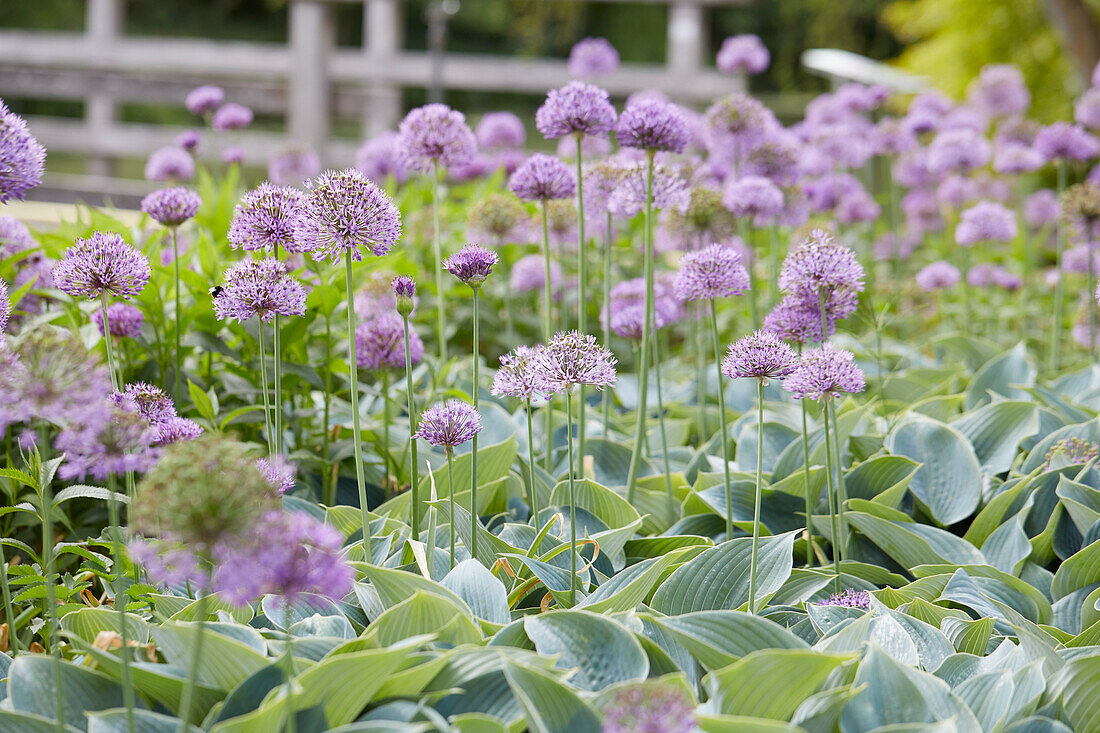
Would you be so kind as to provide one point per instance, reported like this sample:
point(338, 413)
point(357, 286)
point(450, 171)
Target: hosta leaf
point(988, 696)
point(11, 722)
point(601, 651)
point(1002, 375)
point(912, 544)
point(600, 501)
point(482, 591)
point(550, 705)
point(629, 588)
point(31, 689)
point(224, 662)
point(949, 481)
point(719, 638)
point(1077, 571)
point(770, 683)
point(996, 430)
point(425, 613)
point(145, 721)
point(1080, 684)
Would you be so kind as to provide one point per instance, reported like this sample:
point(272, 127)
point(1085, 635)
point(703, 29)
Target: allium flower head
point(500, 130)
point(231, 116)
point(651, 124)
point(797, 320)
point(109, 441)
point(892, 137)
point(937, 276)
point(649, 708)
point(5, 309)
point(738, 116)
point(292, 166)
point(380, 343)
point(449, 424)
point(176, 429)
point(1086, 110)
point(102, 262)
point(169, 164)
point(233, 155)
point(600, 181)
point(529, 273)
point(498, 218)
point(710, 273)
point(985, 221)
point(404, 295)
point(576, 108)
point(435, 134)
point(261, 289)
point(1072, 452)
point(171, 207)
point(201, 100)
point(124, 320)
point(472, 264)
point(753, 196)
point(517, 376)
point(14, 236)
point(849, 598)
point(1042, 208)
point(342, 213)
point(541, 178)
point(378, 159)
point(266, 219)
point(821, 265)
point(570, 359)
point(167, 563)
point(278, 471)
point(1063, 141)
point(591, 57)
point(1016, 158)
point(743, 54)
point(22, 159)
point(1000, 91)
point(760, 355)
point(670, 190)
point(149, 401)
point(188, 139)
point(825, 372)
point(958, 151)
point(625, 313)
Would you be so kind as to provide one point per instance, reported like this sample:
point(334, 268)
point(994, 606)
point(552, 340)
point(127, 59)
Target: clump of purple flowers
point(279, 472)
point(344, 212)
point(108, 441)
point(710, 273)
point(825, 372)
point(985, 221)
point(649, 709)
point(266, 219)
point(760, 355)
point(500, 130)
point(170, 164)
point(517, 376)
point(849, 598)
point(570, 359)
point(449, 424)
point(171, 207)
point(652, 124)
point(378, 159)
point(435, 134)
point(204, 99)
point(938, 275)
point(472, 264)
point(753, 196)
point(743, 54)
point(155, 407)
point(292, 166)
point(231, 116)
point(380, 343)
point(1064, 141)
point(591, 57)
point(261, 289)
point(528, 274)
point(102, 263)
point(22, 159)
point(576, 108)
point(125, 320)
point(542, 178)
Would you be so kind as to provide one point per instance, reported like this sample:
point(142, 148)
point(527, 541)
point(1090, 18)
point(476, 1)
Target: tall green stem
point(643, 361)
point(353, 374)
point(277, 353)
point(9, 611)
point(412, 434)
point(572, 503)
point(582, 304)
point(473, 453)
point(263, 388)
point(841, 492)
point(756, 502)
point(451, 499)
point(607, 321)
point(328, 480)
point(964, 257)
point(51, 602)
point(437, 249)
point(700, 376)
point(120, 609)
point(179, 317)
point(661, 424)
point(806, 483)
point(531, 460)
point(288, 661)
point(193, 669)
point(722, 419)
point(831, 497)
point(547, 331)
point(386, 423)
point(107, 340)
point(1055, 356)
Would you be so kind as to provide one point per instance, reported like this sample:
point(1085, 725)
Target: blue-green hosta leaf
point(11, 722)
point(601, 651)
point(1078, 571)
point(550, 705)
point(1002, 375)
point(482, 591)
point(949, 482)
point(719, 638)
point(394, 586)
point(145, 721)
point(31, 689)
point(770, 683)
point(628, 589)
point(912, 544)
point(1038, 724)
point(874, 476)
point(224, 662)
point(1008, 547)
point(425, 613)
point(600, 501)
point(996, 431)
point(88, 622)
point(1081, 502)
point(1079, 682)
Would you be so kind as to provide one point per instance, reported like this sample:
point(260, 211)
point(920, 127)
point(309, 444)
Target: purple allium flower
point(175, 429)
point(14, 236)
point(911, 169)
point(760, 355)
point(170, 164)
point(857, 206)
point(753, 196)
point(148, 401)
point(472, 264)
point(541, 178)
point(102, 262)
point(188, 140)
point(820, 265)
point(1016, 158)
point(937, 276)
point(570, 359)
point(710, 273)
point(476, 167)
point(279, 472)
point(171, 207)
point(517, 375)
point(981, 275)
point(1042, 208)
point(825, 372)
point(626, 308)
point(1063, 141)
point(1000, 91)
point(744, 54)
point(109, 441)
point(201, 100)
point(956, 191)
point(261, 289)
point(22, 159)
point(5, 310)
point(670, 191)
point(958, 150)
point(380, 343)
point(892, 137)
point(825, 192)
point(435, 134)
point(167, 563)
point(591, 57)
point(797, 320)
point(125, 320)
point(737, 116)
point(592, 146)
point(985, 221)
point(449, 424)
point(343, 212)
point(378, 159)
point(287, 554)
point(266, 219)
point(851, 598)
point(653, 125)
point(231, 116)
point(293, 166)
point(649, 709)
point(1076, 259)
point(1080, 334)
point(1010, 281)
point(529, 273)
point(1086, 110)
point(576, 108)
point(497, 130)
point(404, 295)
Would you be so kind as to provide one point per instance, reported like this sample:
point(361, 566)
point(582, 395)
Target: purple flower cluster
point(744, 54)
point(652, 124)
point(1063, 141)
point(109, 441)
point(649, 709)
point(293, 166)
point(570, 359)
point(380, 343)
point(342, 214)
point(472, 264)
point(449, 424)
point(169, 164)
point(167, 563)
point(849, 598)
point(938, 275)
point(205, 99)
point(626, 308)
point(591, 57)
point(985, 221)
point(261, 289)
point(102, 263)
point(1000, 91)
point(760, 355)
point(279, 472)
point(670, 190)
point(798, 320)
point(821, 271)
point(576, 108)
point(753, 196)
point(529, 273)
point(171, 207)
point(155, 407)
point(124, 320)
point(22, 159)
point(517, 375)
point(500, 131)
point(825, 372)
point(266, 219)
point(231, 116)
point(435, 134)
point(542, 178)
point(711, 273)
point(378, 159)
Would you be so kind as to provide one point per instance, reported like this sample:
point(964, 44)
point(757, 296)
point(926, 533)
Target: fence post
point(685, 37)
point(311, 40)
point(383, 38)
point(102, 26)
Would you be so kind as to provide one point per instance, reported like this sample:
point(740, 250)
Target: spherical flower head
point(102, 263)
point(176, 429)
point(146, 400)
point(435, 134)
point(449, 424)
point(529, 274)
point(939, 275)
point(753, 196)
point(167, 563)
point(577, 108)
point(22, 159)
point(850, 597)
point(231, 116)
point(737, 116)
point(958, 151)
point(279, 472)
point(825, 372)
point(107, 442)
point(188, 140)
point(380, 343)
point(710, 273)
point(1011, 158)
point(500, 130)
point(378, 159)
point(981, 275)
point(592, 57)
point(404, 294)
point(343, 212)
point(570, 359)
point(820, 265)
point(985, 221)
point(760, 355)
point(625, 313)
point(670, 190)
point(204, 99)
point(798, 320)
point(1063, 141)
point(743, 54)
point(287, 554)
point(125, 321)
point(705, 219)
point(293, 166)
point(1000, 91)
point(169, 164)
point(542, 178)
point(517, 376)
point(14, 236)
point(649, 708)
point(261, 289)
point(857, 206)
point(171, 207)
point(1007, 280)
point(233, 155)
point(472, 264)
point(892, 137)
point(1042, 208)
point(266, 219)
point(651, 124)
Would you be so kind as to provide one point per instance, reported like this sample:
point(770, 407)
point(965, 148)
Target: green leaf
point(1002, 375)
point(602, 651)
point(912, 544)
point(31, 689)
point(224, 662)
point(549, 704)
point(770, 683)
point(969, 637)
point(145, 721)
point(203, 401)
point(600, 501)
point(88, 492)
point(629, 588)
point(949, 481)
point(1079, 681)
point(11, 722)
point(482, 591)
point(719, 638)
point(1077, 571)
point(996, 430)
point(425, 613)
point(88, 622)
